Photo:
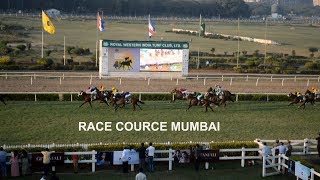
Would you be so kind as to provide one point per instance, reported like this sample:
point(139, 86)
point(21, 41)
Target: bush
point(21, 47)
point(45, 62)
point(79, 67)
point(6, 60)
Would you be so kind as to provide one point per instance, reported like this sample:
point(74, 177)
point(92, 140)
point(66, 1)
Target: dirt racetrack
point(67, 82)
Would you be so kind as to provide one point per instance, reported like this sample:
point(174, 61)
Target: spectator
point(142, 156)
point(197, 156)
point(3, 159)
point(15, 164)
point(75, 160)
point(282, 148)
point(150, 151)
point(25, 163)
point(289, 149)
point(125, 160)
point(318, 145)
point(265, 149)
point(276, 145)
point(46, 161)
point(141, 175)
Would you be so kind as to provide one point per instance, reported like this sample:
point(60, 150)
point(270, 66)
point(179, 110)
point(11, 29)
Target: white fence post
point(231, 82)
point(7, 76)
point(204, 81)
point(139, 96)
point(177, 81)
point(31, 80)
point(271, 78)
point(91, 80)
point(243, 154)
point(170, 162)
point(312, 174)
point(93, 161)
point(120, 81)
point(71, 97)
point(295, 78)
point(222, 78)
point(132, 167)
point(35, 97)
point(237, 97)
point(148, 81)
point(247, 78)
point(34, 76)
point(282, 82)
point(60, 81)
point(305, 146)
point(308, 83)
point(257, 81)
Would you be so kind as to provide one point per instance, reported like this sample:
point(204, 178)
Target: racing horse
point(193, 101)
point(121, 102)
point(103, 96)
point(295, 99)
point(177, 94)
point(214, 98)
point(126, 63)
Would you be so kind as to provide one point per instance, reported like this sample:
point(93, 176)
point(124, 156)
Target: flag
point(152, 29)
point(47, 24)
point(100, 23)
point(202, 27)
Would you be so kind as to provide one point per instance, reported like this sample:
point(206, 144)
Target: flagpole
point(97, 42)
point(200, 26)
point(148, 28)
point(238, 53)
point(64, 50)
point(42, 43)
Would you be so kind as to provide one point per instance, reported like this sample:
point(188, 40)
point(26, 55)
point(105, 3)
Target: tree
point(213, 50)
point(312, 50)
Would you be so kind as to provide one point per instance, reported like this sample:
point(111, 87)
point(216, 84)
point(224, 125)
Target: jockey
point(184, 91)
point(219, 91)
point(115, 93)
point(126, 95)
point(199, 96)
point(101, 88)
point(92, 91)
point(314, 90)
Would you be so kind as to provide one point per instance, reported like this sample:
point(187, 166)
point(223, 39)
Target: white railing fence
point(277, 165)
point(299, 147)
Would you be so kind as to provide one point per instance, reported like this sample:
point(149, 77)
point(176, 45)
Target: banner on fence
point(104, 158)
point(133, 157)
point(209, 155)
point(182, 156)
point(301, 171)
point(56, 158)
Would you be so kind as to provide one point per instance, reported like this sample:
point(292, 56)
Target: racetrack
point(68, 82)
point(58, 122)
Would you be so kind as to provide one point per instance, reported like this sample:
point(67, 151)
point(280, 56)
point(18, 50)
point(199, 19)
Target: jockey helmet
point(313, 88)
point(113, 88)
point(122, 92)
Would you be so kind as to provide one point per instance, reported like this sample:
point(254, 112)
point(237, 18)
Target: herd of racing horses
point(211, 97)
point(115, 100)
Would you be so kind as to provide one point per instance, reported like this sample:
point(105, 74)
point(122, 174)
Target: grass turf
point(57, 122)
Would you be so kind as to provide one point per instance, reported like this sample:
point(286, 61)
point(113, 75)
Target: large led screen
point(161, 59)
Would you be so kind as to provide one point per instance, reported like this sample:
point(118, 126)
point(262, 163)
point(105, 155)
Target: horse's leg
point(303, 104)
point(105, 102)
point(83, 103)
point(139, 106)
point(90, 104)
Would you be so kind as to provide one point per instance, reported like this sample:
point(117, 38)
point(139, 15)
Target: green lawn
point(57, 122)
point(83, 33)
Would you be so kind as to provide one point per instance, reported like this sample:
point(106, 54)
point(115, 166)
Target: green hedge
point(144, 97)
point(39, 149)
point(234, 145)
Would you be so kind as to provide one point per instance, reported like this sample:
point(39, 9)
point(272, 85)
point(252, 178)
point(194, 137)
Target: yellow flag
point(47, 24)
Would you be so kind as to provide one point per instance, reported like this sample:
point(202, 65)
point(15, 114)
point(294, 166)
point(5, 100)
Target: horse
point(126, 63)
point(312, 96)
point(3, 98)
point(177, 94)
point(195, 102)
point(300, 99)
point(102, 96)
point(214, 98)
point(121, 102)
